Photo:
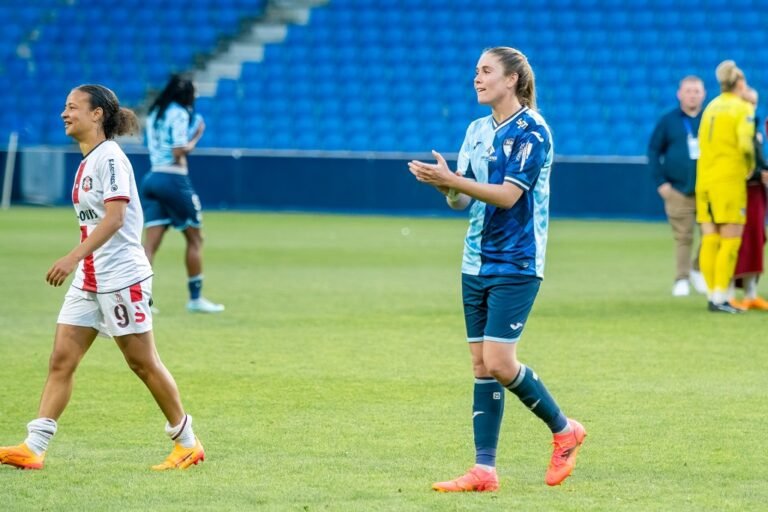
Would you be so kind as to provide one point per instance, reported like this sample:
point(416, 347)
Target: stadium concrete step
point(271, 28)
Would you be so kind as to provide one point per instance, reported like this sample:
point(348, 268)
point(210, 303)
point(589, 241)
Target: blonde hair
point(728, 74)
point(514, 61)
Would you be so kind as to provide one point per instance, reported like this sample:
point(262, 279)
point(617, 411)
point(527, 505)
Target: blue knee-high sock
point(533, 393)
point(487, 410)
point(195, 285)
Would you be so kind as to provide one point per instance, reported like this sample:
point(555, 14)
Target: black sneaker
point(723, 308)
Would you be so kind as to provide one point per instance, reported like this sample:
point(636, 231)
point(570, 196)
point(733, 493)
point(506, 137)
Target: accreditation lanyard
point(693, 142)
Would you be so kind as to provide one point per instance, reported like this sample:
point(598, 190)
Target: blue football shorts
point(497, 307)
point(169, 199)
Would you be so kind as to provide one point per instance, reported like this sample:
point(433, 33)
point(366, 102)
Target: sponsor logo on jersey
point(87, 215)
point(112, 177)
point(490, 154)
point(87, 184)
point(523, 155)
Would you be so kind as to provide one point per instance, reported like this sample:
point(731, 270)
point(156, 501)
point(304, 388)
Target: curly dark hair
point(179, 89)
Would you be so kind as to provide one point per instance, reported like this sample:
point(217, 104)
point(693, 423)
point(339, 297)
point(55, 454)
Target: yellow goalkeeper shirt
point(726, 138)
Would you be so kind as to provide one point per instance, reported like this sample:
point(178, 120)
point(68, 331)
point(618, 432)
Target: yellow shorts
point(722, 203)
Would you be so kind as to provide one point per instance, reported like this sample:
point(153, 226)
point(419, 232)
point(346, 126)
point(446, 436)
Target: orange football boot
point(21, 457)
point(182, 458)
point(476, 479)
point(743, 305)
point(566, 447)
point(757, 303)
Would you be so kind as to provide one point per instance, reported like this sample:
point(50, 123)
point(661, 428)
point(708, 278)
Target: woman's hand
point(61, 268)
point(437, 175)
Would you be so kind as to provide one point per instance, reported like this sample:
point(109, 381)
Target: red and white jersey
point(104, 175)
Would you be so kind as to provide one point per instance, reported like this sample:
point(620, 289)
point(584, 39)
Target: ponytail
point(117, 120)
point(515, 62)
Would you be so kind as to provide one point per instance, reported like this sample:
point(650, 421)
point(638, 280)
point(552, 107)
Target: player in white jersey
point(504, 166)
point(173, 130)
point(111, 292)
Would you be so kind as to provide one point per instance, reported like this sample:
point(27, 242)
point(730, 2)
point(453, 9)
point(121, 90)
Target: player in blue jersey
point(504, 166)
point(173, 130)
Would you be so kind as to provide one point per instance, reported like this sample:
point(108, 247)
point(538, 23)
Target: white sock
point(719, 296)
point(485, 467)
point(750, 287)
point(731, 293)
point(182, 433)
point(40, 432)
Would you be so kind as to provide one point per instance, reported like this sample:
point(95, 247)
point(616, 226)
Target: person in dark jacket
point(672, 154)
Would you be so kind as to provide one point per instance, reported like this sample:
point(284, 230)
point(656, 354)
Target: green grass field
point(338, 378)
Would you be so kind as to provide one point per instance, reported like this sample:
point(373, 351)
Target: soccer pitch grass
point(338, 377)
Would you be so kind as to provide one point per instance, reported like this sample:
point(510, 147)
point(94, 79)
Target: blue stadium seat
point(254, 138)
point(378, 65)
point(693, 20)
point(643, 20)
point(227, 88)
point(251, 73)
point(204, 105)
point(74, 45)
point(227, 137)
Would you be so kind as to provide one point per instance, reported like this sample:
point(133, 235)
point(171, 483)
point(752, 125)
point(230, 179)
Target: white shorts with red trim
point(117, 313)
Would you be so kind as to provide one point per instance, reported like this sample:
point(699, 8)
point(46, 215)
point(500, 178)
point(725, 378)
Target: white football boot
point(203, 305)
